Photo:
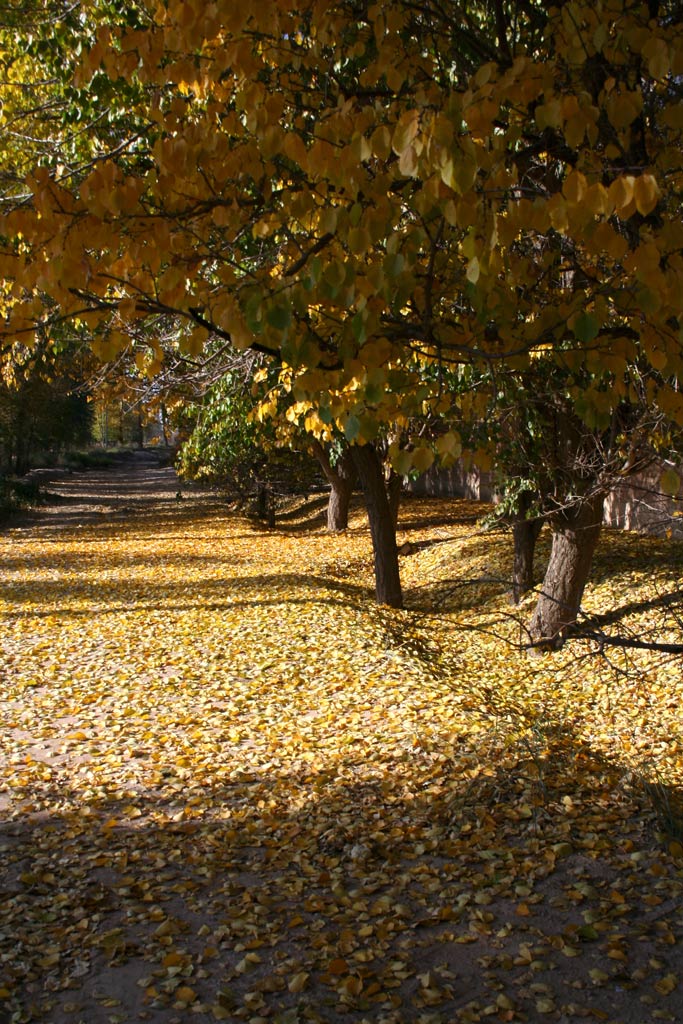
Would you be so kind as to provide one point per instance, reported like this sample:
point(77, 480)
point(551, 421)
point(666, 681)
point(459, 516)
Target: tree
point(222, 445)
point(44, 405)
point(225, 444)
point(366, 192)
point(337, 464)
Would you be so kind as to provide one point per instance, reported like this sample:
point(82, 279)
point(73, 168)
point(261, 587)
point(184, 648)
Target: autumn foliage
point(364, 191)
point(413, 212)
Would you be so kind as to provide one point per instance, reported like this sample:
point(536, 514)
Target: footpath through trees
point(233, 787)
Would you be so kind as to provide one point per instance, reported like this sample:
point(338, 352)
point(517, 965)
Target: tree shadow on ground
point(117, 597)
point(632, 552)
point(418, 513)
point(456, 594)
point(430, 883)
point(668, 602)
point(413, 547)
point(307, 509)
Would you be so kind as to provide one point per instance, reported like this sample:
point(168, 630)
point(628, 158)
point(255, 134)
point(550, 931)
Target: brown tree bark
point(575, 534)
point(341, 479)
point(525, 533)
point(387, 577)
point(394, 487)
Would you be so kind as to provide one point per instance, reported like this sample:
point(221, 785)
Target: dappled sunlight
point(235, 787)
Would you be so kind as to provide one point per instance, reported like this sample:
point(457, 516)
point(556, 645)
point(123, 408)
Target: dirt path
point(138, 485)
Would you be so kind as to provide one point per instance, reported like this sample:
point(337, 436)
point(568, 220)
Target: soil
point(141, 483)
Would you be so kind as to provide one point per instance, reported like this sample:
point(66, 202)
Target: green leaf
point(352, 428)
point(402, 462)
point(670, 482)
point(393, 264)
point(253, 313)
point(586, 328)
point(358, 328)
point(355, 214)
point(313, 276)
point(279, 317)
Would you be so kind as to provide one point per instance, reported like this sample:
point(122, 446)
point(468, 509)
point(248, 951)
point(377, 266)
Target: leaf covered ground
point(233, 788)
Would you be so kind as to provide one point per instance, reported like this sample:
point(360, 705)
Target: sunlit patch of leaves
point(234, 787)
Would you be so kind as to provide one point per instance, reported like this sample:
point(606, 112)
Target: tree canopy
point(375, 195)
point(362, 189)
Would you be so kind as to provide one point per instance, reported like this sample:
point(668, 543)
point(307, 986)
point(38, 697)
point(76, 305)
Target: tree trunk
point(338, 506)
point(382, 529)
point(394, 488)
point(164, 425)
point(575, 536)
point(23, 447)
point(341, 479)
point(265, 509)
point(525, 533)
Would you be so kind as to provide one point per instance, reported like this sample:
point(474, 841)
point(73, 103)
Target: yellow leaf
point(447, 173)
point(173, 960)
point(194, 342)
point(557, 209)
point(221, 1012)
point(405, 131)
point(449, 444)
point(450, 212)
point(295, 148)
point(338, 966)
point(407, 163)
point(666, 985)
point(646, 193)
point(657, 358)
point(596, 199)
point(352, 985)
point(465, 173)
point(623, 109)
point(656, 52)
point(621, 194)
point(670, 482)
point(606, 238)
point(473, 270)
point(549, 115)
point(185, 994)
point(359, 240)
point(381, 142)
point(574, 187)
point(422, 459)
point(297, 983)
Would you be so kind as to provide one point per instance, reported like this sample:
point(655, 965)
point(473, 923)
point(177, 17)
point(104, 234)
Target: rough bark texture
point(338, 507)
point(575, 536)
point(382, 528)
point(525, 534)
point(394, 488)
point(341, 479)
